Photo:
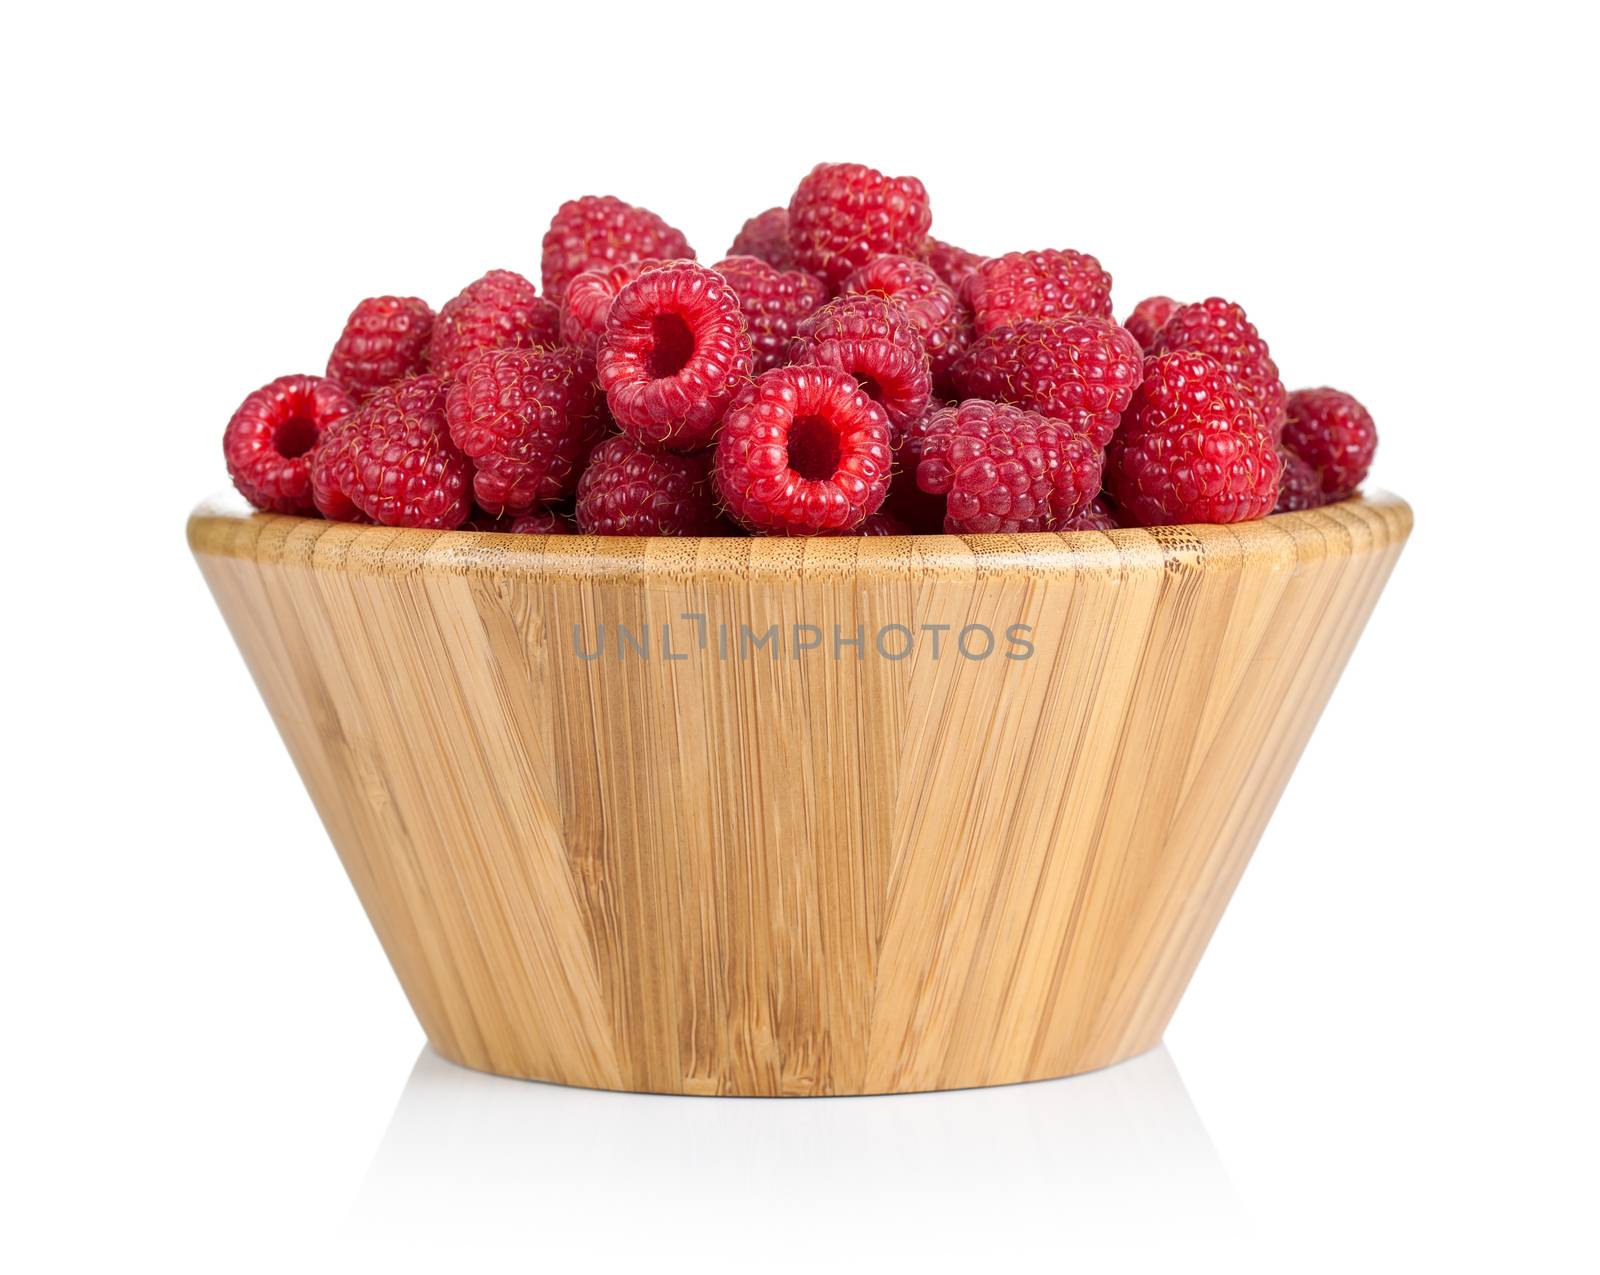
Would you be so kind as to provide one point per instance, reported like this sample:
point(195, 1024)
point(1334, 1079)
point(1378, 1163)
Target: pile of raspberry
point(839, 372)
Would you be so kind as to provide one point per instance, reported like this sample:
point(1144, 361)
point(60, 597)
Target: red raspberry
point(1095, 516)
point(1081, 370)
point(766, 238)
point(599, 231)
point(629, 490)
point(501, 311)
point(950, 263)
point(528, 420)
point(844, 215)
point(1003, 469)
point(269, 440)
point(536, 522)
point(1051, 284)
point(674, 353)
point(882, 523)
point(586, 303)
point(1191, 448)
point(875, 341)
point(1333, 434)
point(384, 339)
point(773, 302)
point(1219, 328)
point(803, 451)
point(930, 302)
point(391, 461)
point(1148, 318)
point(1299, 485)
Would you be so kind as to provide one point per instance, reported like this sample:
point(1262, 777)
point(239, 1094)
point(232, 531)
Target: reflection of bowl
point(738, 851)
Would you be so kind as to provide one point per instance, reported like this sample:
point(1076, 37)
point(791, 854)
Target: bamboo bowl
point(607, 843)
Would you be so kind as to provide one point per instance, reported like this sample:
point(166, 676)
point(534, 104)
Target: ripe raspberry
point(1299, 485)
point(1095, 516)
point(930, 302)
point(501, 311)
point(536, 522)
point(1191, 448)
point(527, 419)
point(950, 263)
point(766, 238)
point(1333, 434)
point(268, 441)
point(629, 490)
point(599, 231)
point(1148, 318)
point(1219, 328)
point(391, 461)
point(674, 353)
point(875, 341)
point(1003, 469)
point(803, 451)
point(586, 303)
point(1050, 284)
point(1079, 370)
point(384, 339)
point(773, 303)
point(844, 215)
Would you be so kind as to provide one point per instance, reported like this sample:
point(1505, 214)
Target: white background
point(1386, 1060)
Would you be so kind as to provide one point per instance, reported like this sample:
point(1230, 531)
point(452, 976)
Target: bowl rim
point(224, 525)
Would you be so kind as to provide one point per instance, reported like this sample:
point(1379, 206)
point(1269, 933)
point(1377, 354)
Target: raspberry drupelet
point(1191, 448)
point(1082, 371)
point(629, 490)
point(1221, 329)
point(875, 341)
point(674, 353)
point(1001, 469)
point(1333, 434)
point(392, 461)
point(774, 304)
point(601, 231)
point(528, 420)
point(501, 311)
point(1050, 284)
point(268, 441)
point(803, 451)
point(384, 339)
point(844, 215)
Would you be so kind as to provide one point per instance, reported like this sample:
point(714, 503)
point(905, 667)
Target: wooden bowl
point(796, 863)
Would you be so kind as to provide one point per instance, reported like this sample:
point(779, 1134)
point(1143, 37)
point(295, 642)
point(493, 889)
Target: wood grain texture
point(801, 874)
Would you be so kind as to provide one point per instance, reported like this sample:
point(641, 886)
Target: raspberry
point(950, 263)
point(803, 451)
point(384, 339)
point(1080, 370)
point(501, 311)
point(773, 302)
point(674, 353)
point(1299, 485)
point(1333, 434)
point(628, 490)
point(1148, 318)
point(600, 231)
point(930, 302)
point(875, 341)
point(1095, 516)
point(1051, 284)
point(1003, 469)
point(527, 419)
point(844, 215)
point(1191, 447)
point(1219, 328)
point(268, 441)
point(391, 461)
point(536, 522)
point(882, 524)
point(586, 303)
point(766, 238)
